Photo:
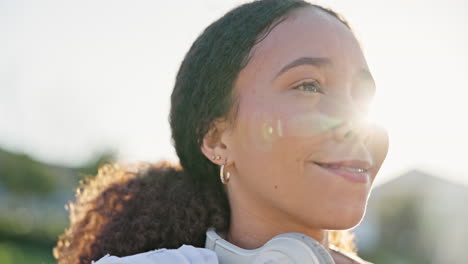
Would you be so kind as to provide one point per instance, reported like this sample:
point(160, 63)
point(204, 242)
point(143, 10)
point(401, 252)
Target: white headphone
point(287, 248)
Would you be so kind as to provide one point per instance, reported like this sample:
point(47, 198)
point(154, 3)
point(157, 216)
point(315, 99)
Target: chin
point(342, 225)
point(347, 220)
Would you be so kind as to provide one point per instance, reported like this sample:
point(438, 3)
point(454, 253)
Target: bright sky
point(79, 76)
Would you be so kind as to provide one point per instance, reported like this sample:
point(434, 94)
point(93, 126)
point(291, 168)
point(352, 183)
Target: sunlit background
point(82, 81)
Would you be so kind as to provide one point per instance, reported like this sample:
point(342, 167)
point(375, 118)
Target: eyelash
point(314, 83)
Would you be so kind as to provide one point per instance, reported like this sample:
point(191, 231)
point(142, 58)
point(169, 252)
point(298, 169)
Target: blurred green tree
point(22, 175)
point(32, 199)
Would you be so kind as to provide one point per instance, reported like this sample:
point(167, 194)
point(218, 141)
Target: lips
point(353, 170)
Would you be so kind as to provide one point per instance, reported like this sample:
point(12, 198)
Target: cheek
point(309, 125)
point(272, 144)
point(281, 134)
point(263, 125)
point(266, 155)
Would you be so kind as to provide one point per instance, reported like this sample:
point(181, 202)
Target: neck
point(252, 229)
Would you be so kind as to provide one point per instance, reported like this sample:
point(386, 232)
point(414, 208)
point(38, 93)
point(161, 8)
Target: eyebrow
point(316, 61)
point(323, 62)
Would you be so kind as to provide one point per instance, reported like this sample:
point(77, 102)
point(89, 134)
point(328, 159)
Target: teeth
point(354, 169)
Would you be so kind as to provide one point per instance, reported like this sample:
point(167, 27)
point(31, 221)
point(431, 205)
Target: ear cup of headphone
point(287, 248)
point(292, 248)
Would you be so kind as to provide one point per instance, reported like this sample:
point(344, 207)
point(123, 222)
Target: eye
point(311, 86)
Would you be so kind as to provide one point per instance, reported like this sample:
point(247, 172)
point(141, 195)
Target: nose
point(355, 124)
point(358, 129)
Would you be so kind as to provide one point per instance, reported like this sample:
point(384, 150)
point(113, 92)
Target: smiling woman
point(268, 117)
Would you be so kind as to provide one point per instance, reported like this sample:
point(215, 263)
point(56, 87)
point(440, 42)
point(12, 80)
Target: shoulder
point(185, 254)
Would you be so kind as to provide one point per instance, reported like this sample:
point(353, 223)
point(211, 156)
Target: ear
point(216, 143)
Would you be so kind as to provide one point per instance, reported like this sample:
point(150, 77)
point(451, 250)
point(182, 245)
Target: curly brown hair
point(126, 210)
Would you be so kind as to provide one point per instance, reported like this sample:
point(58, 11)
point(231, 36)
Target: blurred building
point(415, 218)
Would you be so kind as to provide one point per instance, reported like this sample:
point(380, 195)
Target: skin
point(281, 126)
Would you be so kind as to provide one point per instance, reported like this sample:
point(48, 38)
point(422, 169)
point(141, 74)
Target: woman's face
point(305, 81)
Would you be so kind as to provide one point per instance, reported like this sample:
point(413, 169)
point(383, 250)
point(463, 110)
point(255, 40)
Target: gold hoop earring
point(224, 178)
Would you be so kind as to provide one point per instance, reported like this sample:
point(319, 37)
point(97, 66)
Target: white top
point(186, 254)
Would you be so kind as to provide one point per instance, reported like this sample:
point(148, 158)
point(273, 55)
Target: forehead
point(307, 32)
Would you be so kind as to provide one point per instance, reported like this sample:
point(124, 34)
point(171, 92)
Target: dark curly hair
point(126, 210)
